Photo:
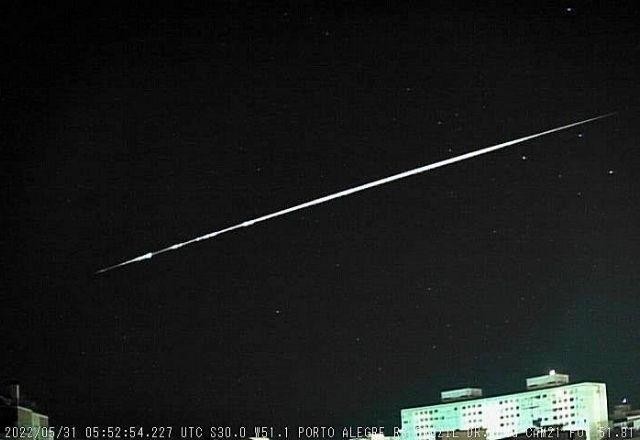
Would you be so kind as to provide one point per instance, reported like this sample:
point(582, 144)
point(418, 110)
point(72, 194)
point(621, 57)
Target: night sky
point(128, 130)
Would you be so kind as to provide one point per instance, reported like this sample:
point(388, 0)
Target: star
point(610, 172)
point(524, 157)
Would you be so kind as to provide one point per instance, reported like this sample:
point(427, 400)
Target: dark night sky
point(127, 130)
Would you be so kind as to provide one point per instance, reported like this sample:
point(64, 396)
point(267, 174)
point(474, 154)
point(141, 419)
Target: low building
point(626, 418)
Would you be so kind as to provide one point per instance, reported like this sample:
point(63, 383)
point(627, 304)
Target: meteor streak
point(347, 192)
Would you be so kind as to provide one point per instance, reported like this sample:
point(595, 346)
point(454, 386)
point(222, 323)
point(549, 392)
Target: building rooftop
point(550, 381)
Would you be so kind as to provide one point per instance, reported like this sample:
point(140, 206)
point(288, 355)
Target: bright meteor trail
point(348, 191)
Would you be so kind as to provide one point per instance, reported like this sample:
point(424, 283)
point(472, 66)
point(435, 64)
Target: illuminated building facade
point(549, 401)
